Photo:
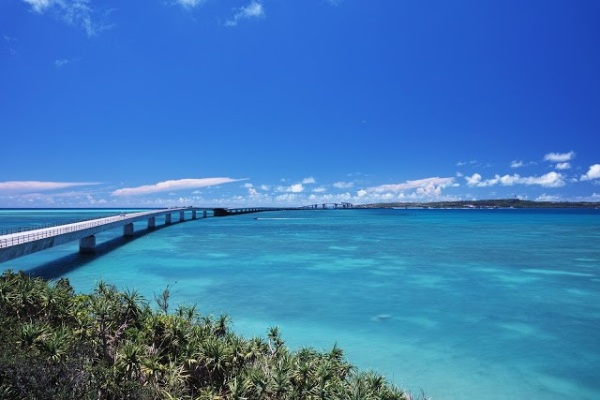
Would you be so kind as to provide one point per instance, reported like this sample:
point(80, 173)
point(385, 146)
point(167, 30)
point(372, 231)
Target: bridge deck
point(22, 243)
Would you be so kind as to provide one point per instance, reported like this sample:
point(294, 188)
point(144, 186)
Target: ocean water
point(463, 304)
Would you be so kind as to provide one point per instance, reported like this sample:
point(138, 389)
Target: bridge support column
point(194, 214)
point(87, 245)
point(128, 230)
point(181, 216)
point(204, 214)
point(151, 223)
point(167, 219)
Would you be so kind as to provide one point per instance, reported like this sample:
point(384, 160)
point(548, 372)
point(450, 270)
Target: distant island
point(497, 203)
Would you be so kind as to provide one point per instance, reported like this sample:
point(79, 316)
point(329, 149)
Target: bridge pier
point(181, 216)
point(167, 219)
point(204, 214)
point(87, 245)
point(128, 230)
point(151, 223)
point(194, 214)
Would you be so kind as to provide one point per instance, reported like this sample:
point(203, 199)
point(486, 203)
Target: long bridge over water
point(21, 243)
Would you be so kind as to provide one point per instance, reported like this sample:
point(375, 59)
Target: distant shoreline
point(486, 204)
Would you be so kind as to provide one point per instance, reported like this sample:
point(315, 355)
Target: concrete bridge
point(19, 244)
point(328, 206)
point(14, 245)
point(223, 212)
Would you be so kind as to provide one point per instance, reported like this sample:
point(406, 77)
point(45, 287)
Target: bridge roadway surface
point(20, 244)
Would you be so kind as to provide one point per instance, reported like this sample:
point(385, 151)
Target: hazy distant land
point(498, 203)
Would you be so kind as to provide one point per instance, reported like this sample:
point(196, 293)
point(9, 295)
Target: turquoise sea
point(465, 304)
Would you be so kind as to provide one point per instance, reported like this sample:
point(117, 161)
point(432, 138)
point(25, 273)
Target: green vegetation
point(498, 203)
point(57, 344)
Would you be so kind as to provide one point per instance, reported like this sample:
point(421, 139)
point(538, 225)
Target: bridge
point(21, 243)
point(327, 206)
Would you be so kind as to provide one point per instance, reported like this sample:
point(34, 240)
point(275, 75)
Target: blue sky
point(281, 102)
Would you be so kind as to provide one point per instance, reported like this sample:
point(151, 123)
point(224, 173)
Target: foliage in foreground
point(112, 345)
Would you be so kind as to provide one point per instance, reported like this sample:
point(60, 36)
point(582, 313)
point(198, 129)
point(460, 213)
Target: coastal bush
point(112, 345)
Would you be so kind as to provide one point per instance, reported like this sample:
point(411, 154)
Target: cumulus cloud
point(473, 180)
point(308, 181)
point(77, 13)
point(39, 186)
point(296, 188)
point(593, 173)
point(422, 187)
point(551, 179)
point(559, 157)
point(166, 186)
point(252, 10)
point(343, 185)
point(563, 166)
point(422, 184)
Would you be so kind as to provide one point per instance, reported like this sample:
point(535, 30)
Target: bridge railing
point(44, 233)
point(11, 231)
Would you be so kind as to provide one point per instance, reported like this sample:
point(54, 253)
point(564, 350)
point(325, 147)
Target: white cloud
point(593, 173)
point(252, 10)
point(308, 181)
point(173, 185)
point(189, 3)
point(288, 198)
point(517, 164)
point(343, 185)
point(11, 45)
point(473, 180)
point(520, 164)
point(463, 163)
point(427, 187)
point(563, 166)
point(61, 63)
point(294, 188)
point(77, 13)
point(548, 197)
point(39, 5)
point(319, 190)
point(551, 179)
point(559, 157)
point(36, 186)
point(65, 61)
point(297, 188)
point(427, 184)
